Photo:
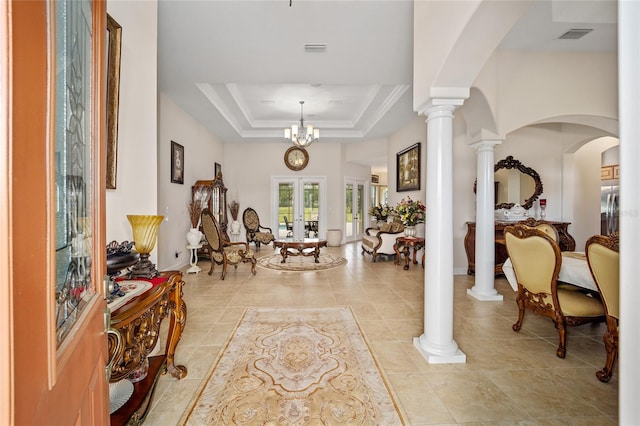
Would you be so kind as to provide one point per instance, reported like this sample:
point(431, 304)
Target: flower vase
point(235, 227)
point(380, 223)
point(409, 231)
point(194, 236)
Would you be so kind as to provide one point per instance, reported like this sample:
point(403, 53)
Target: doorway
point(354, 190)
point(299, 207)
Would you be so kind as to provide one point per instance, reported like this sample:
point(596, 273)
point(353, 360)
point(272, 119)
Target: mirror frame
point(511, 163)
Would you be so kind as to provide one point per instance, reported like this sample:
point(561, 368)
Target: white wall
point(533, 86)
point(586, 197)
point(201, 151)
point(415, 131)
point(136, 187)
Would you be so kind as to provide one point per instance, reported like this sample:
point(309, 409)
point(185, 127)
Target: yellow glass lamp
point(145, 233)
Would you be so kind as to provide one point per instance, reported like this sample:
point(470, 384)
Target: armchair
point(255, 232)
point(603, 257)
point(222, 251)
point(380, 241)
point(536, 262)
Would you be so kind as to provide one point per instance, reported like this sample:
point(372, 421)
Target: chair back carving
point(542, 225)
point(603, 255)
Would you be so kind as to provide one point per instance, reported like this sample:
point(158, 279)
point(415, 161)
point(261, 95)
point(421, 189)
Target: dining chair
point(536, 263)
point(222, 251)
point(603, 256)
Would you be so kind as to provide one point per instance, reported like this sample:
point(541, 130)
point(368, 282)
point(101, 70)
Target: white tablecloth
point(574, 270)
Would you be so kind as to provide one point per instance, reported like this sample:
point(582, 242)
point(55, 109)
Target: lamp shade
point(145, 233)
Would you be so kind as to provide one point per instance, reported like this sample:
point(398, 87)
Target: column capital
point(443, 98)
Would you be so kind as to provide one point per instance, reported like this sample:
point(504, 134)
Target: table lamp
point(145, 232)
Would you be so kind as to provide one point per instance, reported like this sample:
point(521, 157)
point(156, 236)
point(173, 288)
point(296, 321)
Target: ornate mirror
point(515, 183)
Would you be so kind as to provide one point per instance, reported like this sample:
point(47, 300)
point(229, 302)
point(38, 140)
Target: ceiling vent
point(315, 47)
point(575, 33)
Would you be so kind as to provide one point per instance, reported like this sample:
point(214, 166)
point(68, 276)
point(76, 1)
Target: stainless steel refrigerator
point(609, 208)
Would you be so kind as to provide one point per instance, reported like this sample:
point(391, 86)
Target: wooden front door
point(54, 213)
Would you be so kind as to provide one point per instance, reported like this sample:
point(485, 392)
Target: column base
point(456, 356)
point(485, 297)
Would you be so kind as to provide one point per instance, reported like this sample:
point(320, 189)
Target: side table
point(193, 259)
point(403, 246)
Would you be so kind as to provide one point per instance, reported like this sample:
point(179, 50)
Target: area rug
point(295, 366)
point(301, 263)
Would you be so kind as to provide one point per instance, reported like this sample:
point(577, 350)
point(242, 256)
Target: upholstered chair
point(536, 262)
point(222, 251)
point(256, 233)
point(603, 257)
point(377, 241)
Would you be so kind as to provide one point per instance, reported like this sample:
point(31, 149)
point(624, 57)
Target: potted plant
point(194, 235)
point(381, 212)
point(411, 213)
point(234, 208)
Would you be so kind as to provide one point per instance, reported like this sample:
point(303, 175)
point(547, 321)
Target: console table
point(138, 323)
point(566, 243)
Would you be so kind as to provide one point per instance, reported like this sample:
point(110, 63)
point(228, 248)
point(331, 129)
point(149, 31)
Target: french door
point(299, 207)
point(354, 190)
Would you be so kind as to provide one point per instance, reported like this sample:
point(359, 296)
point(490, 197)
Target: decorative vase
point(409, 231)
point(235, 227)
point(194, 236)
point(145, 233)
point(380, 223)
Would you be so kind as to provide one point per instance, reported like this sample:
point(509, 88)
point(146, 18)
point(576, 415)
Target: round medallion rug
point(301, 263)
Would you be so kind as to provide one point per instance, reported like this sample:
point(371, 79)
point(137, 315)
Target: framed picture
point(177, 163)
point(113, 95)
point(375, 179)
point(217, 169)
point(408, 169)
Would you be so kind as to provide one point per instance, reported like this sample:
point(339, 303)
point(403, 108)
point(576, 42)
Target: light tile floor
point(509, 378)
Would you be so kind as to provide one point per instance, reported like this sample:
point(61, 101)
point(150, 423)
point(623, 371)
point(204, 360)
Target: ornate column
point(485, 222)
point(436, 344)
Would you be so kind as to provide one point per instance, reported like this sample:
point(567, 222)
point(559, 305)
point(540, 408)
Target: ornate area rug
point(289, 366)
point(301, 263)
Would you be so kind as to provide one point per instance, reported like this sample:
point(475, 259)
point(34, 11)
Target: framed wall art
point(408, 169)
point(114, 39)
point(177, 163)
point(217, 169)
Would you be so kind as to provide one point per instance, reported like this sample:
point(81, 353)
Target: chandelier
point(302, 136)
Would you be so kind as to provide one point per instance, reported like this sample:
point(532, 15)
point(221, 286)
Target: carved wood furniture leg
point(177, 322)
point(283, 253)
point(398, 255)
point(316, 253)
point(407, 256)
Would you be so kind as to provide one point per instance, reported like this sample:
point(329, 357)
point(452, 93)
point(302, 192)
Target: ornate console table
point(566, 243)
point(138, 323)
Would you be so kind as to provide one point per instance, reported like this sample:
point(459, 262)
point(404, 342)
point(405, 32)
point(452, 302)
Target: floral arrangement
point(411, 212)
point(381, 212)
point(195, 210)
point(234, 208)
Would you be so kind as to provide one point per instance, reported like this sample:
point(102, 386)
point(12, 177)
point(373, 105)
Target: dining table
point(574, 270)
